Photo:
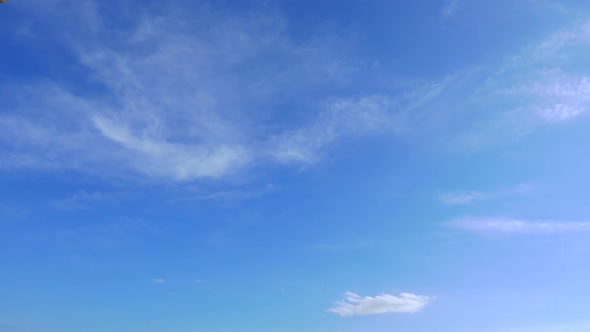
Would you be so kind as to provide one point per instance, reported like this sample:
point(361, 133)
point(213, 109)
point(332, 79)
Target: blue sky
point(282, 166)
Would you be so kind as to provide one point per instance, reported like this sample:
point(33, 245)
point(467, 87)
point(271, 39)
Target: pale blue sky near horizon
point(286, 166)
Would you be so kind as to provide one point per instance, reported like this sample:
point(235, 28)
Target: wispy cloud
point(517, 226)
point(354, 304)
point(178, 161)
point(550, 75)
point(461, 197)
point(470, 196)
point(545, 83)
point(177, 98)
point(563, 96)
point(561, 112)
point(342, 118)
point(553, 46)
point(559, 86)
point(159, 280)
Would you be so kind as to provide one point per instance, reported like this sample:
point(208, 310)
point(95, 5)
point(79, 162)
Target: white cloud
point(461, 197)
point(561, 90)
point(183, 98)
point(561, 112)
point(159, 281)
point(546, 83)
point(566, 87)
point(517, 226)
point(342, 118)
point(553, 47)
point(563, 96)
point(178, 161)
point(203, 95)
point(355, 305)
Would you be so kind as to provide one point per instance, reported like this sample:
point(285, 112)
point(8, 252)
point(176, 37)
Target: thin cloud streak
point(461, 197)
point(343, 118)
point(177, 161)
point(566, 96)
point(492, 225)
point(355, 305)
point(544, 84)
point(466, 197)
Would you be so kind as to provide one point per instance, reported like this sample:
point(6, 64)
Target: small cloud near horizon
point(355, 305)
point(517, 226)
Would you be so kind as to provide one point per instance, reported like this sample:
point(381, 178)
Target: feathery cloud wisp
point(384, 303)
point(461, 197)
point(177, 97)
point(469, 196)
point(517, 226)
point(342, 118)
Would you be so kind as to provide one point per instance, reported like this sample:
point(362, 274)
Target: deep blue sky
point(287, 166)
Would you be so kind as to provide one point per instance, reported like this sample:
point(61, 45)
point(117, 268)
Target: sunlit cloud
point(355, 305)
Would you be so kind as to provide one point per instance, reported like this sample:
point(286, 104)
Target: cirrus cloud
point(355, 305)
point(517, 226)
